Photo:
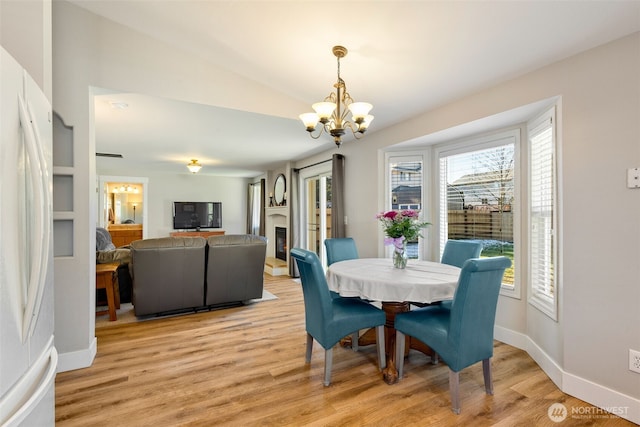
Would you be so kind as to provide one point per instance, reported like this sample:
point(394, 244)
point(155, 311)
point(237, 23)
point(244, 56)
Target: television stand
point(204, 234)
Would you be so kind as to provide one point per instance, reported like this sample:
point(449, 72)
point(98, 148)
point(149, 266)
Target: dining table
point(377, 280)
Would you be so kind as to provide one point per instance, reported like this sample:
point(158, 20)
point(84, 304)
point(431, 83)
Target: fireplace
point(281, 243)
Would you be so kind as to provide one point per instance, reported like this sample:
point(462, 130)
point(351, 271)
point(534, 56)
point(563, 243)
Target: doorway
point(317, 213)
point(122, 200)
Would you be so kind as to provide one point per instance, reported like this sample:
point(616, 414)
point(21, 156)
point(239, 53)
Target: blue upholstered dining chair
point(340, 249)
point(330, 319)
point(462, 335)
point(456, 252)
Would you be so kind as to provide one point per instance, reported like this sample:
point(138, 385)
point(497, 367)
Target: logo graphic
point(557, 412)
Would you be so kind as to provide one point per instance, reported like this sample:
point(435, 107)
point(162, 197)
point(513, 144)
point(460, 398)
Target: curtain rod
point(316, 164)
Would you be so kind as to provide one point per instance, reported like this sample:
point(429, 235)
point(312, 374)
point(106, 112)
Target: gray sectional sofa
point(182, 273)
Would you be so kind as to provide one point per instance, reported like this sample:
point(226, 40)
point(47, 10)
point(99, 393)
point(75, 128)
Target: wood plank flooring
point(245, 366)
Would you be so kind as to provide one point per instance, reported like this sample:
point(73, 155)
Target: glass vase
point(400, 256)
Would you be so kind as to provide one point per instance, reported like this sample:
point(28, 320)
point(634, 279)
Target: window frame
point(426, 210)
point(475, 143)
point(547, 304)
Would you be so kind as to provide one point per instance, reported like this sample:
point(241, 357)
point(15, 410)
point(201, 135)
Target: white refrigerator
point(28, 357)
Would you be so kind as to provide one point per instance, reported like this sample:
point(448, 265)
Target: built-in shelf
point(63, 176)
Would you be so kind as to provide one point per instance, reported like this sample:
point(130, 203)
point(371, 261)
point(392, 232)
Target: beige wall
point(600, 231)
point(25, 32)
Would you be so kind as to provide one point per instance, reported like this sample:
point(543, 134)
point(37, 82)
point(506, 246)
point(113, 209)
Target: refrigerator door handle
point(40, 178)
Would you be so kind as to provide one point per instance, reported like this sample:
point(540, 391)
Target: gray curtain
point(255, 200)
point(337, 196)
point(294, 218)
point(263, 203)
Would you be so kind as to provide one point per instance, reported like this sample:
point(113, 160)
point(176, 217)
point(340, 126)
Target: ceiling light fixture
point(332, 112)
point(125, 188)
point(194, 166)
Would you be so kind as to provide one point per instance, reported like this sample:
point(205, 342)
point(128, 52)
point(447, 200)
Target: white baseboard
point(597, 395)
point(602, 397)
point(78, 359)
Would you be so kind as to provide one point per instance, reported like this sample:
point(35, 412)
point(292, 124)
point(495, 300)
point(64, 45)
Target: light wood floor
point(245, 367)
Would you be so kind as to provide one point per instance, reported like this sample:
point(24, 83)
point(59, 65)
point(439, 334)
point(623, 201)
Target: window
point(478, 197)
point(542, 214)
point(405, 177)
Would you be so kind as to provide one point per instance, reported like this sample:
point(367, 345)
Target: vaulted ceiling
point(405, 57)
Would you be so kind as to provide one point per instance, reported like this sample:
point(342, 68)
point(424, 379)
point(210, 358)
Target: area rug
point(125, 313)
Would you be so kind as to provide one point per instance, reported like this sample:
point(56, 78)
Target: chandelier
point(194, 166)
point(332, 112)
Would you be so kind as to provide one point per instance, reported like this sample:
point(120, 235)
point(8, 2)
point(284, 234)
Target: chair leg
point(382, 360)
point(434, 358)
point(307, 358)
point(400, 340)
point(354, 340)
point(328, 363)
point(454, 383)
point(488, 380)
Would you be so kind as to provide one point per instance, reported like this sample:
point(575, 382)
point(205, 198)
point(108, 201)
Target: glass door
point(317, 220)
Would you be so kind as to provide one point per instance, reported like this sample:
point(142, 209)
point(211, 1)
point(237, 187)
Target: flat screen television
point(190, 215)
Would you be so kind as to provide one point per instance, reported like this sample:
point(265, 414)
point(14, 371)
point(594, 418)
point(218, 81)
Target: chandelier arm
point(323, 129)
point(331, 98)
point(354, 128)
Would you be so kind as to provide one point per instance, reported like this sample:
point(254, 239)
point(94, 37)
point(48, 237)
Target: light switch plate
point(633, 178)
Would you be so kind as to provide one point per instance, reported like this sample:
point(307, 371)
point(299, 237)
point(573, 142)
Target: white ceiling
point(405, 57)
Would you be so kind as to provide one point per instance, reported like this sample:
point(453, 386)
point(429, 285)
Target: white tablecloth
point(376, 279)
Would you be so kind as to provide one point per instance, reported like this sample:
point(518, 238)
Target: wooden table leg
point(390, 373)
point(107, 279)
point(111, 299)
point(116, 289)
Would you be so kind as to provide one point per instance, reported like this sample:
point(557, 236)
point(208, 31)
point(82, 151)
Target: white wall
point(586, 351)
point(163, 190)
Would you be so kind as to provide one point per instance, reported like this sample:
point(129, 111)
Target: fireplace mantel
point(278, 210)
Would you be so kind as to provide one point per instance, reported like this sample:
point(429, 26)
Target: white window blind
point(542, 215)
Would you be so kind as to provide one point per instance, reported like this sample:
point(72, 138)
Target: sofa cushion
point(168, 274)
point(235, 267)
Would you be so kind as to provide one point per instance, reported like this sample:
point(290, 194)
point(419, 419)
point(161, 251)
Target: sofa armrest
point(120, 255)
